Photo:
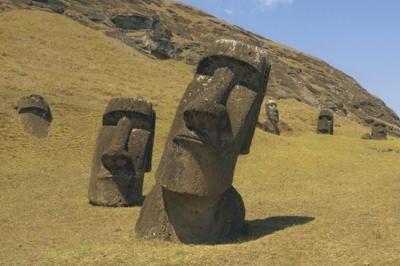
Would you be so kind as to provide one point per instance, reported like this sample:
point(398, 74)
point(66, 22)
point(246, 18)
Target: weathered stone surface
point(55, 5)
point(378, 130)
point(134, 22)
point(271, 124)
point(123, 153)
point(34, 115)
point(325, 122)
point(193, 200)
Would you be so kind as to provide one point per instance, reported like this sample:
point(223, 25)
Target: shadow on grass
point(138, 203)
point(255, 229)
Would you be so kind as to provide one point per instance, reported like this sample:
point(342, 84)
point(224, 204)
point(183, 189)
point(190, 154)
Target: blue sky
point(359, 37)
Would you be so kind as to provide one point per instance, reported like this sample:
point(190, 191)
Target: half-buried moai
point(123, 153)
point(271, 124)
point(34, 115)
point(325, 122)
point(378, 131)
point(193, 200)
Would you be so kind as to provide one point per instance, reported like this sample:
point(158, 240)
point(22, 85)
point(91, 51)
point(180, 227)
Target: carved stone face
point(123, 153)
point(34, 115)
point(325, 122)
point(272, 111)
point(215, 120)
point(378, 131)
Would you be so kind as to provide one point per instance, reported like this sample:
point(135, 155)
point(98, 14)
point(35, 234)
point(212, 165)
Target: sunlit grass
point(310, 199)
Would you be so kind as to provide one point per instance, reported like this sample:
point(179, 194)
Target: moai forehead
point(379, 124)
point(129, 105)
point(223, 52)
point(118, 107)
point(326, 113)
point(33, 100)
point(215, 120)
point(270, 104)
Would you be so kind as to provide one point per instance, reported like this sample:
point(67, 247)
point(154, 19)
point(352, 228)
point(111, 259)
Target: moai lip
point(193, 200)
point(123, 153)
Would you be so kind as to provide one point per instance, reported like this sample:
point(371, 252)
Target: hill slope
point(310, 199)
point(171, 30)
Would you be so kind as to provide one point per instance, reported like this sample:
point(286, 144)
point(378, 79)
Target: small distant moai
point(271, 124)
point(325, 122)
point(378, 131)
point(123, 153)
point(193, 200)
point(34, 115)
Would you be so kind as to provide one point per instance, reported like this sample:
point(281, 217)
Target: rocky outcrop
point(170, 30)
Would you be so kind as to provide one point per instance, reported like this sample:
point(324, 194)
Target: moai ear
point(151, 142)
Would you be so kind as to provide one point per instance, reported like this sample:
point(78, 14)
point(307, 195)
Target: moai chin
point(123, 153)
point(325, 122)
point(378, 131)
point(34, 115)
point(193, 200)
point(271, 124)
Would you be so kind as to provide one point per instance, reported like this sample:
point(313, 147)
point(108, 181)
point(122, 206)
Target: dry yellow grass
point(310, 199)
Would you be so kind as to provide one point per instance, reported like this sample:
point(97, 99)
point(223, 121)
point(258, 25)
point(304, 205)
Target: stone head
point(215, 120)
point(272, 111)
point(123, 152)
point(379, 130)
point(325, 122)
point(35, 115)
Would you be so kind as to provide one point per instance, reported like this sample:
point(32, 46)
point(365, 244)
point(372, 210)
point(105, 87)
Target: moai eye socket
point(139, 120)
point(112, 118)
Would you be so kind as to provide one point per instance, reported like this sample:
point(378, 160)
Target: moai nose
point(208, 116)
point(117, 155)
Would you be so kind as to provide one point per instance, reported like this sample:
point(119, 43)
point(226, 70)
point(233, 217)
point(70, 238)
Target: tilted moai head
point(34, 115)
point(193, 200)
point(272, 111)
point(123, 153)
point(378, 130)
point(325, 122)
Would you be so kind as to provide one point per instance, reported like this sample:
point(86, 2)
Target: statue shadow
point(138, 203)
point(258, 228)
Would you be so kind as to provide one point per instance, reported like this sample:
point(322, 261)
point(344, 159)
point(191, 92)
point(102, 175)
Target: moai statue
point(325, 122)
point(366, 136)
point(34, 115)
point(271, 124)
point(378, 130)
point(193, 200)
point(123, 153)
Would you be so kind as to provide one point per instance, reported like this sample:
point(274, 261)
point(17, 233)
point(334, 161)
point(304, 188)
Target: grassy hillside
point(310, 199)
